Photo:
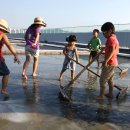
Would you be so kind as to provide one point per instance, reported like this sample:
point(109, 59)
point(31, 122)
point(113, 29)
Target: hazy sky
point(65, 13)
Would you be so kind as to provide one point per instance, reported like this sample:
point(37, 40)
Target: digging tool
point(63, 90)
point(122, 92)
point(123, 72)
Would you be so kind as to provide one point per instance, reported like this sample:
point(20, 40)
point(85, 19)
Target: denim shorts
point(3, 69)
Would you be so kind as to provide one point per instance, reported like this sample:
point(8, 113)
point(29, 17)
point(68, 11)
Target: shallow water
point(34, 104)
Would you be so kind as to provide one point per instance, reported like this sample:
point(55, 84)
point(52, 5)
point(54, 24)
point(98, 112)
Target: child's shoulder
point(74, 47)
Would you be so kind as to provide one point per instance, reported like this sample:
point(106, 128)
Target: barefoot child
point(110, 59)
point(32, 36)
point(70, 51)
point(94, 45)
point(4, 71)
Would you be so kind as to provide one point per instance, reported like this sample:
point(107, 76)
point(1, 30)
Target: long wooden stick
point(123, 72)
point(95, 73)
point(85, 67)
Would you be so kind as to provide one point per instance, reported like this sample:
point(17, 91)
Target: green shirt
point(94, 44)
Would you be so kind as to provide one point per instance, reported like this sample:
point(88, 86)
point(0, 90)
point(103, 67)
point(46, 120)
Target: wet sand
point(34, 104)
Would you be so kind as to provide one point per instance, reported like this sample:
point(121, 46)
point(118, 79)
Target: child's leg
point(111, 85)
point(4, 84)
point(61, 73)
point(72, 72)
point(90, 57)
point(35, 65)
point(106, 77)
point(26, 63)
point(103, 80)
point(98, 62)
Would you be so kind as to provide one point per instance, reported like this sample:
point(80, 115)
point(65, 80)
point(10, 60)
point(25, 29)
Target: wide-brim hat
point(4, 26)
point(39, 21)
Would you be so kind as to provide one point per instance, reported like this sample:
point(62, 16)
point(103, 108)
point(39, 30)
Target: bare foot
point(99, 97)
point(35, 75)
point(60, 79)
point(23, 74)
point(25, 77)
point(109, 96)
point(4, 91)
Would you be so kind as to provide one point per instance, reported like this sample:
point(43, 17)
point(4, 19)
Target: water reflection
point(92, 81)
point(31, 92)
point(103, 111)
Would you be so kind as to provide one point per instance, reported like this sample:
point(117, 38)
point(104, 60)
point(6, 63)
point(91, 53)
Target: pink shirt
point(112, 41)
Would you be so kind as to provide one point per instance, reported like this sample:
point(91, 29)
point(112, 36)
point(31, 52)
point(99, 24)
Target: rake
point(123, 72)
point(122, 93)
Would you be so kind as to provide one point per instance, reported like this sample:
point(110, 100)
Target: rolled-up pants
point(107, 75)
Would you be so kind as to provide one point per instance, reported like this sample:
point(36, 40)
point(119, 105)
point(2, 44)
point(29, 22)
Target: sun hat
point(39, 20)
point(4, 25)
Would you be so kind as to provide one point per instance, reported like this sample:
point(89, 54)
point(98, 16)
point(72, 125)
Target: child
point(32, 36)
point(94, 45)
point(70, 51)
point(4, 71)
point(110, 59)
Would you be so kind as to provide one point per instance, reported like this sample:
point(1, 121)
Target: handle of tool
point(93, 72)
point(86, 68)
point(119, 68)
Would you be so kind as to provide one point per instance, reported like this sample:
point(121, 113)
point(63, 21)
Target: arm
point(109, 55)
point(100, 44)
point(64, 51)
point(36, 40)
point(89, 44)
point(76, 55)
point(11, 48)
point(25, 36)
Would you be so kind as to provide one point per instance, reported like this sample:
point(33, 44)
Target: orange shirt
point(112, 41)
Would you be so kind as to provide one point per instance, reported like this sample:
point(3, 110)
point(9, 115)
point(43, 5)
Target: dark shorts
point(93, 54)
point(3, 69)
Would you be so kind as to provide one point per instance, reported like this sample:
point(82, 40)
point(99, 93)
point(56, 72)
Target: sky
point(65, 13)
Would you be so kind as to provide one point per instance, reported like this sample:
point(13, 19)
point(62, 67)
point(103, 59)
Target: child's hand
point(34, 44)
point(16, 60)
point(104, 64)
point(69, 57)
point(77, 61)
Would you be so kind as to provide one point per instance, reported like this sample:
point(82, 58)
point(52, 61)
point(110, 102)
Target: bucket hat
point(4, 25)
point(39, 20)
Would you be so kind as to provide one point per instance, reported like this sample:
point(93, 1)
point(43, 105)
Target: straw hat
point(4, 25)
point(39, 20)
